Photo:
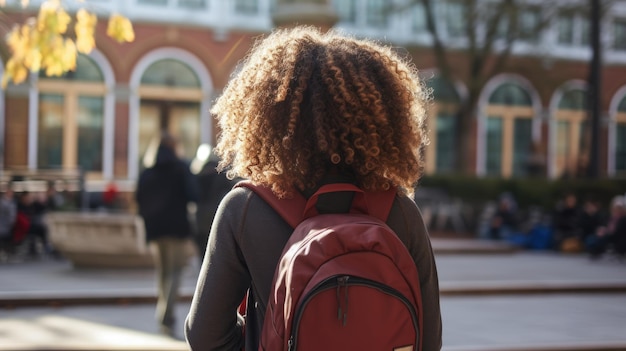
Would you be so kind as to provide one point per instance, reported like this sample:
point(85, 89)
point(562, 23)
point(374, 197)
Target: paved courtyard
point(513, 301)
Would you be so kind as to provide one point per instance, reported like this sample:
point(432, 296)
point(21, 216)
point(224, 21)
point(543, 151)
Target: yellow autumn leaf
point(42, 42)
point(14, 71)
point(15, 42)
point(53, 56)
point(52, 17)
point(69, 55)
point(85, 28)
point(33, 59)
point(120, 29)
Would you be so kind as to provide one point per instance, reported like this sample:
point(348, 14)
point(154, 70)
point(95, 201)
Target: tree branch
point(440, 52)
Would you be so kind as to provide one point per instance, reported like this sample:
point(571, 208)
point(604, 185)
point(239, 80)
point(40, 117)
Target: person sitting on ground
point(309, 109)
point(591, 220)
point(566, 221)
point(504, 221)
point(613, 235)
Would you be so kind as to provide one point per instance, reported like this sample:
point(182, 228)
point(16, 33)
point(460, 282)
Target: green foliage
point(527, 191)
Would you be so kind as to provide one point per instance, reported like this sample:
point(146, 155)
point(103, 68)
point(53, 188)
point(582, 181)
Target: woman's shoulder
point(406, 203)
point(237, 195)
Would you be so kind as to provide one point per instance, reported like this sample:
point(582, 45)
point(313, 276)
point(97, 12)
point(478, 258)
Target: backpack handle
point(294, 210)
point(359, 203)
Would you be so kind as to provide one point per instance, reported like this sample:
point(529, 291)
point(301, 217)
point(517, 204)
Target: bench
point(439, 211)
point(100, 239)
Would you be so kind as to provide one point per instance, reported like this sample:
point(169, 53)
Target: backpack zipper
point(340, 282)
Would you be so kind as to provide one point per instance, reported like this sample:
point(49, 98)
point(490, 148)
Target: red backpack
point(344, 281)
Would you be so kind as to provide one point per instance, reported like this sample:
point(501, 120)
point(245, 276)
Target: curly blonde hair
point(306, 104)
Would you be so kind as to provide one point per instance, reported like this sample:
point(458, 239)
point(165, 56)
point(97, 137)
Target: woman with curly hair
point(308, 109)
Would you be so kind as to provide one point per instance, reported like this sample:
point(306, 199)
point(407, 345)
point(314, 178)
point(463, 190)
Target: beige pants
point(170, 256)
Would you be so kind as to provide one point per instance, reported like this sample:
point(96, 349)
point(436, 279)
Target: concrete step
point(505, 323)
point(54, 283)
point(148, 296)
point(461, 245)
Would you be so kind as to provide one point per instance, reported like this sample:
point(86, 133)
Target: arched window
point(170, 73)
point(170, 95)
point(71, 119)
point(570, 120)
point(440, 155)
point(510, 94)
point(508, 142)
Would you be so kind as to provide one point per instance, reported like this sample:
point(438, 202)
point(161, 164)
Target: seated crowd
point(571, 227)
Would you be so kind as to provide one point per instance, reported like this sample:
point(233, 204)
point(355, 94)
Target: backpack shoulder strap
point(291, 210)
point(380, 202)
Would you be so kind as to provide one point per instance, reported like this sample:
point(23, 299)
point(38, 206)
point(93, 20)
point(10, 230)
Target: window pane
point(152, 2)
point(375, 15)
point(90, 129)
point(149, 132)
point(50, 131)
point(455, 19)
point(183, 122)
point(445, 143)
point(193, 4)
point(585, 35)
point(620, 148)
point(566, 29)
point(522, 142)
point(529, 24)
point(419, 19)
point(443, 91)
point(246, 6)
point(493, 15)
point(494, 146)
point(619, 34)
point(171, 73)
point(562, 146)
point(346, 9)
point(511, 95)
point(584, 138)
point(185, 125)
point(622, 105)
point(575, 99)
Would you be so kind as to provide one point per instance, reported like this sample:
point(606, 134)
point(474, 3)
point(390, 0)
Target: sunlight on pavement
point(62, 332)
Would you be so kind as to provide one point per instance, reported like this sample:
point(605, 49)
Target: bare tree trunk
point(595, 93)
point(465, 142)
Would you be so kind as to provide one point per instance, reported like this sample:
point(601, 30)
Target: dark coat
point(163, 192)
point(212, 187)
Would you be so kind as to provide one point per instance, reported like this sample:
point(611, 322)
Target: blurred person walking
point(33, 207)
point(8, 215)
point(163, 193)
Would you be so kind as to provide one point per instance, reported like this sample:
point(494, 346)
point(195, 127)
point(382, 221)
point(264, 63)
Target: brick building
point(103, 117)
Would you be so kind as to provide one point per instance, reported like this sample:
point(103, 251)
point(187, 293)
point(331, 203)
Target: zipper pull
point(338, 298)
point(342, 313)
point(290, 344)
